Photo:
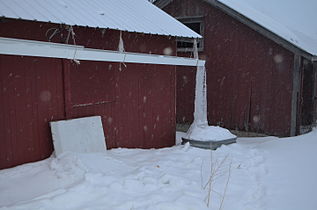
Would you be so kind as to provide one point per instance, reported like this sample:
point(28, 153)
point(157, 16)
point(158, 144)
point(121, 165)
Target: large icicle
point(200, 105)
point(121, 49)
point(199, 129)
point(200, 113)
point(121, 44)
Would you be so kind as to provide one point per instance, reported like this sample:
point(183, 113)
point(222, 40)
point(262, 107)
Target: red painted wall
point(31, 95)
point(249, 76)
point(137, 103)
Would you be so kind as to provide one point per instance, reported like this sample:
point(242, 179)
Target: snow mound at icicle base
point(210, 133)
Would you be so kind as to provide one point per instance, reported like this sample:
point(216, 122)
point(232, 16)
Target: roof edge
point(107, 28)
point(253, 25)
point(162, 3)
point(98, 15)
point(261, 29)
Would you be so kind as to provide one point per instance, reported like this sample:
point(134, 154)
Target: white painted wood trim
point(9, 46)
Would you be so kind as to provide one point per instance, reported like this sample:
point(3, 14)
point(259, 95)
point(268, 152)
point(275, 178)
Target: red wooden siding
point(89, 37)
point(90, 90)
point(307, 95)
point(146, 106)
point(137, 103)
point(249, 76)
point(185, 94)
point(31, 95)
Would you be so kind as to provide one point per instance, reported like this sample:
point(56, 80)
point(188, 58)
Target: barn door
point(307, 96)
point(90, 90)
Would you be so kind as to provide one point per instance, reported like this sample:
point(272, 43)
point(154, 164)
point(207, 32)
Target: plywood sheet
point(83, 135)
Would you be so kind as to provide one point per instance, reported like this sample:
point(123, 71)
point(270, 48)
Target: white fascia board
point(22, 47)
point(9, 46)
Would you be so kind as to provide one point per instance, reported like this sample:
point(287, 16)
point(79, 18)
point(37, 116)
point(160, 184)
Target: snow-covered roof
point(293, 20)
point(125, 15)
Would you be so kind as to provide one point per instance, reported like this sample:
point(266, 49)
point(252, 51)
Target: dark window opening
point(194, 26)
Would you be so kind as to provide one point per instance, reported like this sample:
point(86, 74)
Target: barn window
point(186, 44)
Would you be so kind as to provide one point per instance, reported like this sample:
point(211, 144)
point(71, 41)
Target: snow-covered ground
point(255, 173)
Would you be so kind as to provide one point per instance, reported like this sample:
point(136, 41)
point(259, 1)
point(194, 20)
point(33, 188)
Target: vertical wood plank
point(295, 94)
point(66, 84)
point(315, 92)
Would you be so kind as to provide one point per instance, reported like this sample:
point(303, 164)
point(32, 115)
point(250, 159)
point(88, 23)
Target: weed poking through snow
point(218, 168)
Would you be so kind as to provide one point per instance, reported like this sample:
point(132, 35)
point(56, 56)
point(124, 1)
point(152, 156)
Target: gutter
point(21, 47)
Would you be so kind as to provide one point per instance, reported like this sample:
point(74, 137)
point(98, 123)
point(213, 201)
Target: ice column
point(121, 45)
point(200, 112)
point(121, 49)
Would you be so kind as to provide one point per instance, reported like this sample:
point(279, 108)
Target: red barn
point(59, 60)
point(260, 61)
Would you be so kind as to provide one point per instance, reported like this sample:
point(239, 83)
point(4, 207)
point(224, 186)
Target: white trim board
point(10, 46)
